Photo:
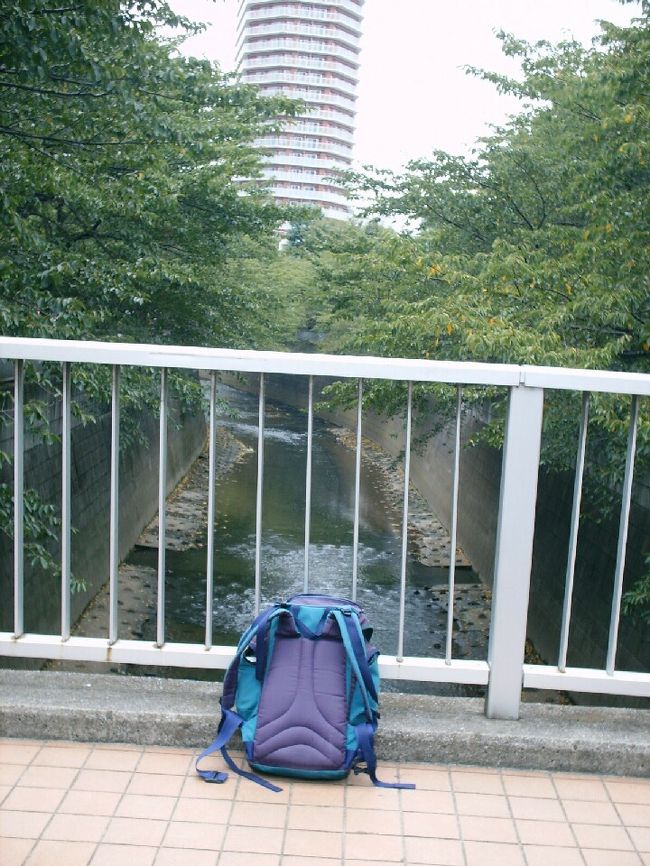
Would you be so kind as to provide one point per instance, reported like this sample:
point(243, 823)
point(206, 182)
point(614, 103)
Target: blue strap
point(250, 776)
point(230, 679)
point(366, 739)
point(264, 635)
point(356, 638)
point(358, 663)
point(303, 629)
point(230, 722)
point(256, 625)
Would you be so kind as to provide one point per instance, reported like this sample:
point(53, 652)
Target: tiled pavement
point(80, 803)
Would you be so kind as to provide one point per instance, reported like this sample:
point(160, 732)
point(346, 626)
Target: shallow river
point(330, 553)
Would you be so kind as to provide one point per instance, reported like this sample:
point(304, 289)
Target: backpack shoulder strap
point(230, 722)
point(354, 644)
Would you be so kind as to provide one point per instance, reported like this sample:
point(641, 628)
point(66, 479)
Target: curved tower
point(307, 50)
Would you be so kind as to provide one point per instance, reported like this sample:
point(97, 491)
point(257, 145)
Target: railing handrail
point(505, 670)
point(338, 366)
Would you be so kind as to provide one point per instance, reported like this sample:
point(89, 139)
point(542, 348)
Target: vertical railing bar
point(114, 530)
point(260, 489)
point(212, 453)
point(162, 497)
point(357, 494)
point(573, 535)
point(308, 473)
point(454, 528)
point(622, 537)
point(66, 510)
point(405, 515)
point(19, 499)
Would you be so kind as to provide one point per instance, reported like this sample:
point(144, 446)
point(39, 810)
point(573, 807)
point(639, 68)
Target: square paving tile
point(86, 804)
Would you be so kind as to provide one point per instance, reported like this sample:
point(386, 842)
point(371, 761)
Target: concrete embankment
point(91, 707)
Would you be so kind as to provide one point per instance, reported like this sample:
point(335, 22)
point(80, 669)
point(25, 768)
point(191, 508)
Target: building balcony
point(303, 176)
point(339, 118)
point(353, 9)
point(316, 96)
point(305, 192)
point(292, 28)
point(300, 143)
point(323, 130)
point(256, 44)
point(293, 12)
point(290, 158)
point(254, 47)
point(328, 80)
point(298, 62)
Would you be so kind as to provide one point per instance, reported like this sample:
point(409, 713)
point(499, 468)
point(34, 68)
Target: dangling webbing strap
point(366, 739)
point(230, 722)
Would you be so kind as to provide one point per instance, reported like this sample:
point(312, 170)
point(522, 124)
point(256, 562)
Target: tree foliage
point(124, 210)
point(535, 249)
point(119, 167)
point(536, 246)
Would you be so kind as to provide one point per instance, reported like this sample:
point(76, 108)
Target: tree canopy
point(132, 207)
point(122, 169)
point(534, 249)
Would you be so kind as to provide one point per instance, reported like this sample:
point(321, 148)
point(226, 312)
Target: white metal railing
point(324, 79)
point(325, 166)
point(333, 31)
point(326, 197)
point(503, 673)
point(295, 142)
point(350, 5)
point(305, 176)
point(339, 118)
point(327, 129)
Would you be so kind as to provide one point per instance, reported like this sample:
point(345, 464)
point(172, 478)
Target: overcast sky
point(413, 94)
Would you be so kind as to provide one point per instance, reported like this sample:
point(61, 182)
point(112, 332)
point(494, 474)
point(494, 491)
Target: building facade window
point(305, 50)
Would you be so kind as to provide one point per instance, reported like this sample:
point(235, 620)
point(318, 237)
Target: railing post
point(514, 551)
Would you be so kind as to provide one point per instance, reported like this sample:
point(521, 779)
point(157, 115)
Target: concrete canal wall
point(91, 454)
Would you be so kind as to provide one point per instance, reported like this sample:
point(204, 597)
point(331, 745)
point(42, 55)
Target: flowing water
point(331, 540)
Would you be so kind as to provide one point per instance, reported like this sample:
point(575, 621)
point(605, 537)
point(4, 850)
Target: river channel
point(331, 543)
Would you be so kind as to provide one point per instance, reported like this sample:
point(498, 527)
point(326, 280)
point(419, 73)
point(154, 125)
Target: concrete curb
point(169, 712)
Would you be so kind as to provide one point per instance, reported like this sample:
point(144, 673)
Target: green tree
point(125, 214)
point(533, 250)
point(119, 169)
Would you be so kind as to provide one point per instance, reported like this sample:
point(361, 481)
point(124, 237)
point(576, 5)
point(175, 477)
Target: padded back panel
point(302, 718)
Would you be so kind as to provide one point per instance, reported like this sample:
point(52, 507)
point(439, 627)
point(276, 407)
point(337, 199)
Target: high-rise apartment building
point(307, 50)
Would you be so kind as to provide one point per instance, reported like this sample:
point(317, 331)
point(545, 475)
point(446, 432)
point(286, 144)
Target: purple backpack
point(303, 689)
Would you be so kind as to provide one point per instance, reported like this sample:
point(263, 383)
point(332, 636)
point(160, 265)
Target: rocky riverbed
point(428, 539)
point(186, 519)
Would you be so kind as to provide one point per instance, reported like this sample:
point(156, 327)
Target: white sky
point(413, 94)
